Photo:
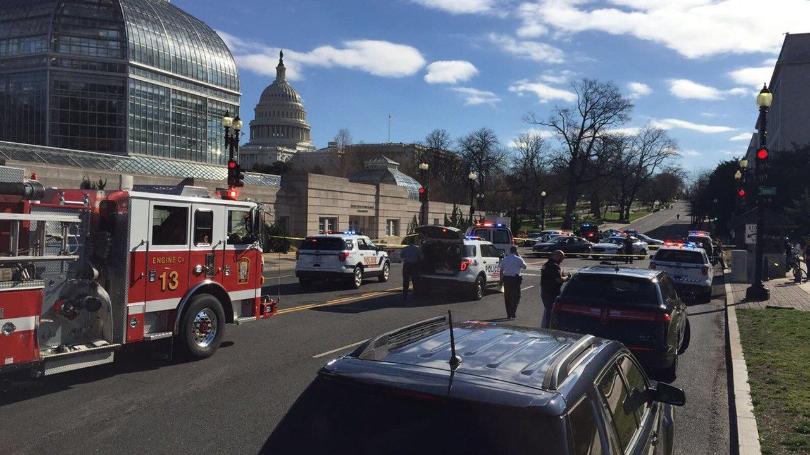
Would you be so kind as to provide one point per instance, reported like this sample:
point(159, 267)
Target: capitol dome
point(280, 120)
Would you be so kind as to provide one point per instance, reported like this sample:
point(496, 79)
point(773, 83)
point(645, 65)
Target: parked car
point(340, 257)
point(589, 231)
point(703, 240)
point(638, 307)
point(454, 261)
point(649, 240)
point(498, 234)
point(614, 246)
point(567, 244)
point(510, 390)
point(690, 267)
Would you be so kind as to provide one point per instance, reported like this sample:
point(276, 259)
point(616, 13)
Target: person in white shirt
point(510, 270)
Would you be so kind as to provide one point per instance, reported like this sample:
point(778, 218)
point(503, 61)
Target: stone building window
point(392, 228)
point(326, 224)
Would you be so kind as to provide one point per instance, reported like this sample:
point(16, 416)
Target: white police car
point(453, 260)
point(689, 267)
point(343, 257)
point(498, 234)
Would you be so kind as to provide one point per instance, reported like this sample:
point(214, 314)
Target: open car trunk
point(442, 249)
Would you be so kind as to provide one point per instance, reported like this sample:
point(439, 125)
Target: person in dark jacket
point(628, 249)
point(411, 259)
point(551, 281)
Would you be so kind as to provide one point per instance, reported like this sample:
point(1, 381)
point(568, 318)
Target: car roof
point(680, 247)
point(337, 236)
point(620, 271)
point(502, 361)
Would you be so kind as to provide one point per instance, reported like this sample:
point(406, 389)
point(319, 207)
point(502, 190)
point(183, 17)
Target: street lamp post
point(757, 291)
point(472, 177)
point(425, 177)
point(543, 210)
point(480, 199)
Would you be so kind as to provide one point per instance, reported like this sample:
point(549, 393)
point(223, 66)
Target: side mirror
point(666, 393)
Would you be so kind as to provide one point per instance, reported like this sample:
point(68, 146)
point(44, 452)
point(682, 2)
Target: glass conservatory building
point(129, 77)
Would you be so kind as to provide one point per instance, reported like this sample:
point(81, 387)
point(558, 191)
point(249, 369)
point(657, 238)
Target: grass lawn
point(612, 217)
point(776, 344)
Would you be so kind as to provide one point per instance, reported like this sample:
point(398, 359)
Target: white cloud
point(556, 77)
point(741, 137)
point(474, 96)
point(544, 93)
point(692, 153)
point(542, 133)
point(450, 72)
point(379, 58)
point(532, 50)
point(460, 6)
point(693, 28)
point(673, 123)
point(638, 89)
point(686, 89)
point(755, 76)
point(625, 131)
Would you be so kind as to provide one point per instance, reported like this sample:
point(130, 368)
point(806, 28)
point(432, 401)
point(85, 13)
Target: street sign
point(767, 191)
point(750, 234)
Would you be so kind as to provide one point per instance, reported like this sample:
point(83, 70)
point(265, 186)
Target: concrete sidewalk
point(784, 294)
point(279, 261)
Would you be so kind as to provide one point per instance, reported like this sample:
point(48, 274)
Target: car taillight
point(465, 264)
point(343, 255)
point(705, 269)
point(664, 317)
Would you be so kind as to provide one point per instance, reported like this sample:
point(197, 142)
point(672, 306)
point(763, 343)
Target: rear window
point(483, 233)
point(685, 256)
point(339, 417)
point(469, 251)
point(588, 288)
point(325, 243)
point(501, 236)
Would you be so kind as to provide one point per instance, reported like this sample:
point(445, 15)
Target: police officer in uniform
point(510, 270)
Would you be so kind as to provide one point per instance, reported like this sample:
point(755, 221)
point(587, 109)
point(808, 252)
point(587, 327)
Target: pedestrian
point(511, 266)
point(411, 259)
point(628, 249)
point(718, 250)
point(678, 216)
point(551, 281)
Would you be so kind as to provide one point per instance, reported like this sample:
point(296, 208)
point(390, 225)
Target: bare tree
point(438, 139)
point(481, 152)
point(342, 138)
point(528, 166)
point(600, 107)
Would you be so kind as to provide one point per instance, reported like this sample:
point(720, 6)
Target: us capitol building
point(279, 129)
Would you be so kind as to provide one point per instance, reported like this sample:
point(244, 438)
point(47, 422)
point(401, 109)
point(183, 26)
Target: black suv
point(482, 388)
point(638, 307)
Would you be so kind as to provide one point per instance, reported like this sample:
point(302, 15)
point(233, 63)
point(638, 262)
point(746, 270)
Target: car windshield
point(586, 288)
point(686, 256)
point(323, 243)
point(339, 417)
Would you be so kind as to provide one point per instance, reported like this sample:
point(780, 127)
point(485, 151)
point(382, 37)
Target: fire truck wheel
point(357, 278)
point(386, 272)
point(202, 326)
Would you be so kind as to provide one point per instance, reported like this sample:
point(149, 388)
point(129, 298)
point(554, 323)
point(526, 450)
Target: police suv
point(343, 257)
point(451, 259)
point(689, 267)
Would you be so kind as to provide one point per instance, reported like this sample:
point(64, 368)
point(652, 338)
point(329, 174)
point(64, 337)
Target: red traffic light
point(741, 192)
point(762, 154)
point(231, 164)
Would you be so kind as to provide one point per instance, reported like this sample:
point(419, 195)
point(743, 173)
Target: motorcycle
point(795, 264)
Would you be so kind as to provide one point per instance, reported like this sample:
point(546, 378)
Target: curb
point(747, 436)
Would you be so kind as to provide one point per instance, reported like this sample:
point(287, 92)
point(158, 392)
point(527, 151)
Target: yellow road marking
point(337, 301)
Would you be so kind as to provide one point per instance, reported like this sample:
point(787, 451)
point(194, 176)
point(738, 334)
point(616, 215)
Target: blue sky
point(691, 66)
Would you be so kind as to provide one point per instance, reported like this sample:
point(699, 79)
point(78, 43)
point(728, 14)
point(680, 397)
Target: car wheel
point(357, 277)
point(478, 288)
point(202, 326)
point(386, 271)
point(687, 337)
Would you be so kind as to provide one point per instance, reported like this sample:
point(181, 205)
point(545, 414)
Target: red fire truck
point(84, 272)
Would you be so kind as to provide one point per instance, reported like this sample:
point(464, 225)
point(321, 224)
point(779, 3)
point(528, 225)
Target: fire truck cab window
point(203, 227)
point(169, 225)
point(238, 227)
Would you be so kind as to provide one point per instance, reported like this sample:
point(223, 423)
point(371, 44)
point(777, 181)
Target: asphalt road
point(231, 402)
